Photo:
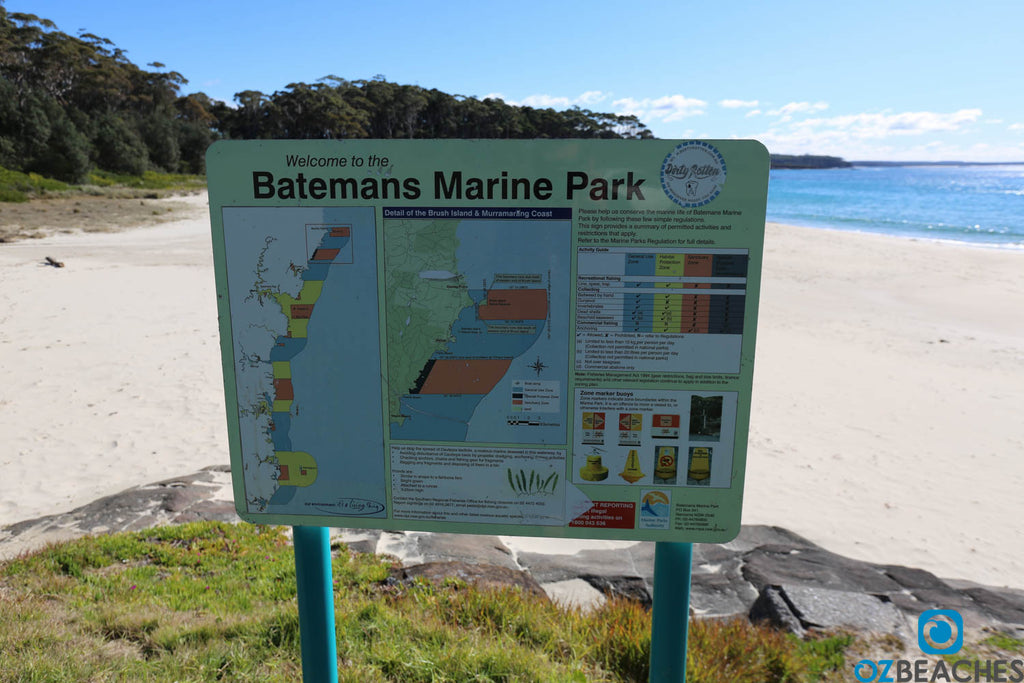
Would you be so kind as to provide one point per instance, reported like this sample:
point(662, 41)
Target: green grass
point(208, 602)
point(21, 187)
point(997, 645)
point(18, 187)
point(1004, 643)
point(150, 180)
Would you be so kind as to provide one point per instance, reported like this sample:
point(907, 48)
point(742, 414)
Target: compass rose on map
point(537, 366)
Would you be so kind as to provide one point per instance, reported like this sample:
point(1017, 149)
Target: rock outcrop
point(765, 574)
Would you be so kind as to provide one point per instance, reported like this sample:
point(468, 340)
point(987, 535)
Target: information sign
point(544, 338)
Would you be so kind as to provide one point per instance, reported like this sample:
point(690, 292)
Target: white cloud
point(546, 102)
point(882, 125)
point(753, 112)
point(786, 111)
point(542, 101)
point(666, 109)
point(738, 104)
point(1016, 126)
point(592, 97)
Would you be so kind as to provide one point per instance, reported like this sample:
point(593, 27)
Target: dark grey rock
point(771, 607)
point(483, 576)
point(635, 562)
point(785, 565)
point(718, 588)
point(755, 536)
point(628, 587)
point(914, 579)
point(172, 501)
point(824, 608)
point(1003, 606)
point(360, 540)
point(465, 548)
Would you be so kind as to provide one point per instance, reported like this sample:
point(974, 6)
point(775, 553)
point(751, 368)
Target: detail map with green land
point(477, 327)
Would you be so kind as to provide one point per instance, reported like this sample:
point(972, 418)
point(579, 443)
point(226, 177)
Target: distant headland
point(804, 161)
point(807, 161)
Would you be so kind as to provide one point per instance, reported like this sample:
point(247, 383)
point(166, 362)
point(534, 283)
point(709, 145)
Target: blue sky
point(893, 79)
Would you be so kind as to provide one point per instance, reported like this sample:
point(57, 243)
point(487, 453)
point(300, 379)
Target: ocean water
point(980, 205)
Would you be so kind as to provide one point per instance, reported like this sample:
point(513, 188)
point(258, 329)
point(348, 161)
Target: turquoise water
point(982, 205)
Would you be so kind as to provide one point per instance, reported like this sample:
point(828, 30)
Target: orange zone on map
point(283, 390)
point(465, 375)
point(340, 231)
point(325, 254)
point(302, 310)
point(514, 304)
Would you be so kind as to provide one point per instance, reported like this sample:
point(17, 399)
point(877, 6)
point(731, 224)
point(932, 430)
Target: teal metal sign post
point(549, 338)
point(315, 588)
point(670, 611)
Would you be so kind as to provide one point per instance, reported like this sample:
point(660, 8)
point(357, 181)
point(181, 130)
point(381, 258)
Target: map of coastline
point(476, 333)
point(468, 302)
point(292, 308)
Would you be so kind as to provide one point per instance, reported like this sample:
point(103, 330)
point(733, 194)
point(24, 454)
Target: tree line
point(71, 104)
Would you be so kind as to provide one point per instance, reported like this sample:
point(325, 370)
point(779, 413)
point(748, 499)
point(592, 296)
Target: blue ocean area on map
point(448, 416)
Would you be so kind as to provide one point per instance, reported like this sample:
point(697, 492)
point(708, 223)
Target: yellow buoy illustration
point(700, 464)
point(665, 462)
point(631, 472)
point(594, 470)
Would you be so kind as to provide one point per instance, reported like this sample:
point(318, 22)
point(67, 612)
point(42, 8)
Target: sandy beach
point(886, 424)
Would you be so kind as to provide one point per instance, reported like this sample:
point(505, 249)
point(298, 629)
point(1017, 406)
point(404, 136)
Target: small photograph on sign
point(666, 464)
point(698, 468)
point(593, 429)
point(705, 418)
point(630, 426)
point(665, 427)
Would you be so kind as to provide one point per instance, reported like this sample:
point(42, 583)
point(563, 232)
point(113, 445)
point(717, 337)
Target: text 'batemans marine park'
point(453, 185)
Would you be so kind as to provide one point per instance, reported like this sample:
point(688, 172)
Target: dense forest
point(70, 104)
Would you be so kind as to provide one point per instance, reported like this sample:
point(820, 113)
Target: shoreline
point(1003, 246)
point(884, 421)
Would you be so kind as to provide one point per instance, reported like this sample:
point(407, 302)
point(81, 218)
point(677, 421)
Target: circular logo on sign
point(693, 173)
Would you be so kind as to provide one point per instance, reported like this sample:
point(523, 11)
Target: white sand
point(869, 435)
point(109, 367)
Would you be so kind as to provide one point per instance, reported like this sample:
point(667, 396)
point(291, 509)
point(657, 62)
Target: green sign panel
point(544, 338)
